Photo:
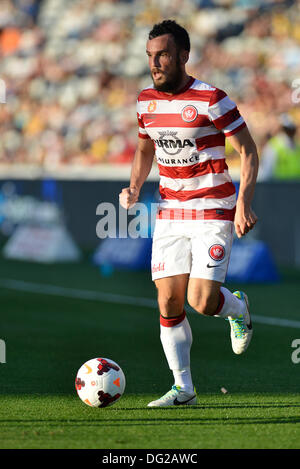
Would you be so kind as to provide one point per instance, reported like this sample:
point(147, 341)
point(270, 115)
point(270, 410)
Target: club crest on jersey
point(216, 252)
point(189, 113)
point(152, 106)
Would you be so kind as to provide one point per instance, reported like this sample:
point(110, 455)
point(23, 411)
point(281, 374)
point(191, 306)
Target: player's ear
point(184, 56)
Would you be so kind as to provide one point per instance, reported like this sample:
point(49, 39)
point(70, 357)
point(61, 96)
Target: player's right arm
point(140, 170)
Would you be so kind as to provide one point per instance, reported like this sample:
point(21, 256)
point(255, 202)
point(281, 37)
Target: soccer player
point(184, 122)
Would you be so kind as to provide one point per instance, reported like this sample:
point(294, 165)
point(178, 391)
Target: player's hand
point(245, 219)
point(128, 197)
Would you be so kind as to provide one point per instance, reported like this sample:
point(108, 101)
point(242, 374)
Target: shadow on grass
point(150, 421)
point(211, 406)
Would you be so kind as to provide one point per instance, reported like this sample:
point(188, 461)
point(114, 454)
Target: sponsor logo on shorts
point(216, 265)
point(159, 267)
point(216, 252)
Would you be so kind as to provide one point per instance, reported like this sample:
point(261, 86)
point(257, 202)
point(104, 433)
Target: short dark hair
point(179, 34)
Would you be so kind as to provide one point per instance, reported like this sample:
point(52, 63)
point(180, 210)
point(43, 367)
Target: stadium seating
point(73, 68)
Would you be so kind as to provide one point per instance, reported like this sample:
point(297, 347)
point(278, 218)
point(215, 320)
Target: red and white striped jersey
point(188, 130)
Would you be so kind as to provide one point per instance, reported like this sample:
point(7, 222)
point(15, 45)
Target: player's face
point(164, 63)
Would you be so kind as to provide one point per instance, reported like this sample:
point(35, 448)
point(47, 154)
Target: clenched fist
point(128, 197)
point(245, 219)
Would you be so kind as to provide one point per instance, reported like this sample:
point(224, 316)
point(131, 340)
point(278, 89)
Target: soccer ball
point(100, 382)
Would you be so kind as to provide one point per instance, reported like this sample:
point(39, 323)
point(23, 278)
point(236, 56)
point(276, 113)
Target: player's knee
point(170, 304)
point(205, 306)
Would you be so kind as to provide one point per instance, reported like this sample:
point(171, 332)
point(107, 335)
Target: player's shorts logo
point(189, 113)
point(152, 106)
point(158, 267)
point(216, 252)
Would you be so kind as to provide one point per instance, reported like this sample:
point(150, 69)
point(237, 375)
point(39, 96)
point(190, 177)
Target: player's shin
point(176, 338)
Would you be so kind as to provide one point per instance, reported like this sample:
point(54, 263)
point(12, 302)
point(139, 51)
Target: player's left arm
point(243, 143)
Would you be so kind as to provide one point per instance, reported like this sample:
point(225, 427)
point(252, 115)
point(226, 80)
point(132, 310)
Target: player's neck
point(185, 79)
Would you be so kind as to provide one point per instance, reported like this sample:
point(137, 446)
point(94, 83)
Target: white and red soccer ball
point(100, 382)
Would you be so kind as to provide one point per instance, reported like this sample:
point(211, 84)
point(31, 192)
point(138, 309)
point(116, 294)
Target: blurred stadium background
point(71, 71)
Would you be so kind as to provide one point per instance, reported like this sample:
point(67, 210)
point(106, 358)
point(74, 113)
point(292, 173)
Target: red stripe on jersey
point(193, 214)
point(209, 141)
point(227, 119)
point(174, 120)
point(216, 96)
point(140, 121)
point(189, 95)
point(218, 192)
point(237, 129)
point(143, 135)
point(198, 169)
point(186, 94)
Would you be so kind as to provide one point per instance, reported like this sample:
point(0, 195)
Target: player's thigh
point(203, 295)
point(171, 293)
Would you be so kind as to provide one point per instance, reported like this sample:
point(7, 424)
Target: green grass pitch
point(48, 337)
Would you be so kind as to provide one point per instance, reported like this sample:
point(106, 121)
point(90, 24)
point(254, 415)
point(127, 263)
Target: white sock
point(230, 305)
point(183, 378)
point(176, 338)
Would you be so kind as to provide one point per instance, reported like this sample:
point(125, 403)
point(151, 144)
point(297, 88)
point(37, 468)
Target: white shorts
point(199, 248)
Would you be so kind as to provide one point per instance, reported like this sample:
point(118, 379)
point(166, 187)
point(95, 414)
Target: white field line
point(47, 289)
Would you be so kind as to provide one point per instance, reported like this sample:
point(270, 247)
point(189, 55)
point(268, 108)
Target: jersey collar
point(170, 97)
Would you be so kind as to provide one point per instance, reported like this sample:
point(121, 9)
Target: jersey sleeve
point(224, 113)
point(142, 130)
